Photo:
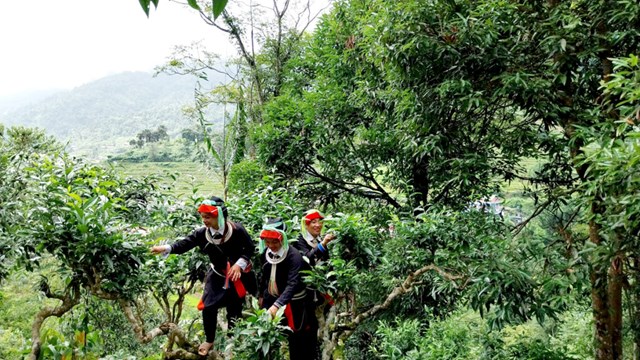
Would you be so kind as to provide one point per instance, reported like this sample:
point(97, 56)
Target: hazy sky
point(62, 44)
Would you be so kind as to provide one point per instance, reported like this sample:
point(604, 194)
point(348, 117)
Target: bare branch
point(536, 180)
point(209, 21)
point(354, 188)
point(306, 9)
point(310, 18)
point(370, 177)
point(407, 285)
point(516, 229)
point(164, 304)
point(178, 305)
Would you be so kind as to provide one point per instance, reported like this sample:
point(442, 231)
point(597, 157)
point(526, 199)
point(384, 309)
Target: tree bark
point(138, 325)
point(616, 281)
point(69, 300)
point(420, 182)
point(407, 285)
point(328, 340)
point(600, 303)
point(635, 312)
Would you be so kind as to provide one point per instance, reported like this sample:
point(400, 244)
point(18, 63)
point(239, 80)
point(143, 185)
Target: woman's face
point(209, 220)
point(314, 227)
point(273, 244)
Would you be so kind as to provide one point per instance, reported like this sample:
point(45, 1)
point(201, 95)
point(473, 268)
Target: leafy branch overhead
point(478, 162)
point(217, 6)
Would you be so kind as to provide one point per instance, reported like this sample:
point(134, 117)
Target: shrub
point(245, 176)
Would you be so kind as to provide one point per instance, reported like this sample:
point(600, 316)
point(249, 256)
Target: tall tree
point(266, 38)
point(435, 103)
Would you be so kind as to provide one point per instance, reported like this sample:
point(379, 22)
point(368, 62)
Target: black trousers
point(303, 345)
point(303, 342)
point(232, 303)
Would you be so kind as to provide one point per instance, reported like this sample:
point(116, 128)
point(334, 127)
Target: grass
point(20, 301)
point(185, 178)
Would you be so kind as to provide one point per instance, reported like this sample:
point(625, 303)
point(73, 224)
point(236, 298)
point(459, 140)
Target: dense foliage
point(397, 119)
point(435, 104)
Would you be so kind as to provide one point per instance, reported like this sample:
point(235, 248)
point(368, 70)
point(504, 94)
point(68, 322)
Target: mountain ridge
point(101, 116)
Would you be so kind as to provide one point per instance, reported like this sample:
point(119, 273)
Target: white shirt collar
point(211, 234)
point(279, 255)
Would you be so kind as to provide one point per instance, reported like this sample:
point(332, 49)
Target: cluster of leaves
point(610, 195)
point(335, 278)
point(410, 104)
point(613, 156)
point(463, 336)
point(270, 198)
point(103, 323)
point(396, 102)
point(441, 340)
point(216, 7)
point(245, 176)
point(84, 343)
point(258, 335)
point(436, 103)
point(81, 216)
point(93, 226)
point(18, 146)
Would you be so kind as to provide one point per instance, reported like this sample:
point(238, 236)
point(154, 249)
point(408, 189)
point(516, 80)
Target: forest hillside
point(462, 177)
point(102, 116)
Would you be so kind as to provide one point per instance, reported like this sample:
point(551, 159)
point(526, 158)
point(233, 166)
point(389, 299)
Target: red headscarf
point(312, 215)
point(270, 234)
point(204, 208)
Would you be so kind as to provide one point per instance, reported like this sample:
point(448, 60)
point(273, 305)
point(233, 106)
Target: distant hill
point(101, 117)
point(10, 103)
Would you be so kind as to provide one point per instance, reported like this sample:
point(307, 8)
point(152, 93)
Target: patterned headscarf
point(214, 206)
point(274, 229)
point(309, 216)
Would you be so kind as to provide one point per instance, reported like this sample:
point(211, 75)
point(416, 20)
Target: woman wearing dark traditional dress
point(230, 277)
point(310, 242)
point(314, 247)
point(281, 285)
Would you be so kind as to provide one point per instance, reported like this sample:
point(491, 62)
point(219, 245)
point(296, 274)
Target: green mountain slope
point(101, 116)
point(11, 103)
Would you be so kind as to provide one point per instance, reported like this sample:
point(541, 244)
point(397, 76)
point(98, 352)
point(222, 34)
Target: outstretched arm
point(161, 249)
point(180, 247)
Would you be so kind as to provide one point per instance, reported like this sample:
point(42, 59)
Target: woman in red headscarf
point(310, 242)
point(314, 247)
point(229, 248)
point(281, 285)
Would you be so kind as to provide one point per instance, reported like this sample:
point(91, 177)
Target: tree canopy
point(396, 118)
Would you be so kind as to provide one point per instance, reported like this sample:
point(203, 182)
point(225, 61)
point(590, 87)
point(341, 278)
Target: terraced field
point(185, 178)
